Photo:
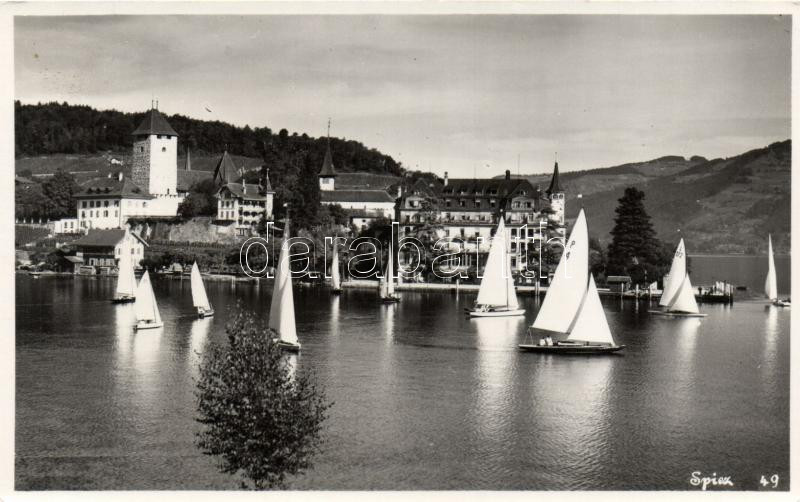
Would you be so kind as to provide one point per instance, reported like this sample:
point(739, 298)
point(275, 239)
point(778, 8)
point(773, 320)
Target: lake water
point(747, 271)
point(424, 398)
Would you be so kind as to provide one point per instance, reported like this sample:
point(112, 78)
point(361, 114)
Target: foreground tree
point(59, 192)
point(634, 251)
point(261, 420)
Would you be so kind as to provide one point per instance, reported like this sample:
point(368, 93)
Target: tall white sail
point(771, 284)
point(494, 288)
point(564, 296)
point(389, 276)
point(145, 306)
point(683, 300)
point(126, 281)
point(281, 312)
point(673, 280)
point(199, 297)
point(591, 324)
point(335, 280)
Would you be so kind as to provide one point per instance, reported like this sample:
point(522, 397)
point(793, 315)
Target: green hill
point(719, 206)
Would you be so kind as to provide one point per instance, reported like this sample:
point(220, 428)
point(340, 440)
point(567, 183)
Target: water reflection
point(770, 358)
point(198, 337)
point(494, 399)
point(334, 316)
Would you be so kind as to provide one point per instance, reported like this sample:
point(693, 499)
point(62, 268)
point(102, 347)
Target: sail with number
point(497, 284)
point(199, 297)
point(281, 312)
point(590, 324)
point(126, 281)
point(771, 283)
point(335, 280)
point(673, 280)
point(145, 306)
point(566, 291)
point(683, 301)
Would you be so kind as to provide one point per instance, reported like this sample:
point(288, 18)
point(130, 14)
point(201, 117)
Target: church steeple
point(555, 187)
point(556, 195)
point(327, 175)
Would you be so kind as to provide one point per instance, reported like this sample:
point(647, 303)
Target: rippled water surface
point(424, 398)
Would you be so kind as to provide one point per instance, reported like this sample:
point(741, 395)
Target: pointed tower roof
point(154, 123)
point(267, 185)
point(226, 171)
point(555, 187)
point(327, 164)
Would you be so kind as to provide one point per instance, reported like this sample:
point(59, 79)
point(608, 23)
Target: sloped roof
point(154, 123)
point(371, 181)
point(226, 171)
point(252, 192)
point(101, 238)
point(112, 187)
point(327, 164)
point(555, 187)
point(188, 178)
point(334, 196)
point(488, 187)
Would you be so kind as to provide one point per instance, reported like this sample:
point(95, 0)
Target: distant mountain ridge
point(723, 206)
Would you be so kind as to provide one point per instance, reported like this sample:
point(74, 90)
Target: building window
point(144, 204)
point(105, 203)
point(477, 203)
point(105, 214)
point(141, 149)
point(83, 214)
point(83, 204)
point(163, 148)
point(462, 203)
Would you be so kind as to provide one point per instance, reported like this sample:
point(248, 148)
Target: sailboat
point(126, 281)
point(147, 315)
point(497, 296)
point(336, 282)
point(572, 305)
point(199, 297)
point(677, 299)
point(281, 311)
point(386, 285)
point(771, 283)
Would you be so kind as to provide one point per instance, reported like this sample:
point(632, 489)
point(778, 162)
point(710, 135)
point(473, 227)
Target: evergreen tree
point(634, 250)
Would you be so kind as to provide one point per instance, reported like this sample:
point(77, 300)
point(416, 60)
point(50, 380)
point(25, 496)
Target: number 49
point(772, 482)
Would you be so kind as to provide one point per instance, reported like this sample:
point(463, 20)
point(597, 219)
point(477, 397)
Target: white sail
point(495, 287)
point(199, 297)
point(145, 306)
point(511, 292)
point(281, 312)
point(126, 281)
point(591, 324)
point(382, 287)
point(389, 276)
point(335, 280)
point(771, 283)
point(683, 300)
point(673, 280)
point(564, 296)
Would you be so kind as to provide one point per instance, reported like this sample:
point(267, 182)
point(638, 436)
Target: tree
point(201, 200)
point(262, 421)
point(634, 249)
point(60, 193)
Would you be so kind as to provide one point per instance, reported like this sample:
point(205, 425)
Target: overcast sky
point(439, 93)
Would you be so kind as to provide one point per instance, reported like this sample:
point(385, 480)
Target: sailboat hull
point(666, 313)
point(288, 347)
point(781, 303)
point(148, 325)
point(336, 291)
point(496, 313)
point(572, 349)
point(205, 313)
point(390, 299)
point(124, 299)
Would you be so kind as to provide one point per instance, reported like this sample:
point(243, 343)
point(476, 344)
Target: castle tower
point(327, 175)
point(155, 155)
point(556, 195)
